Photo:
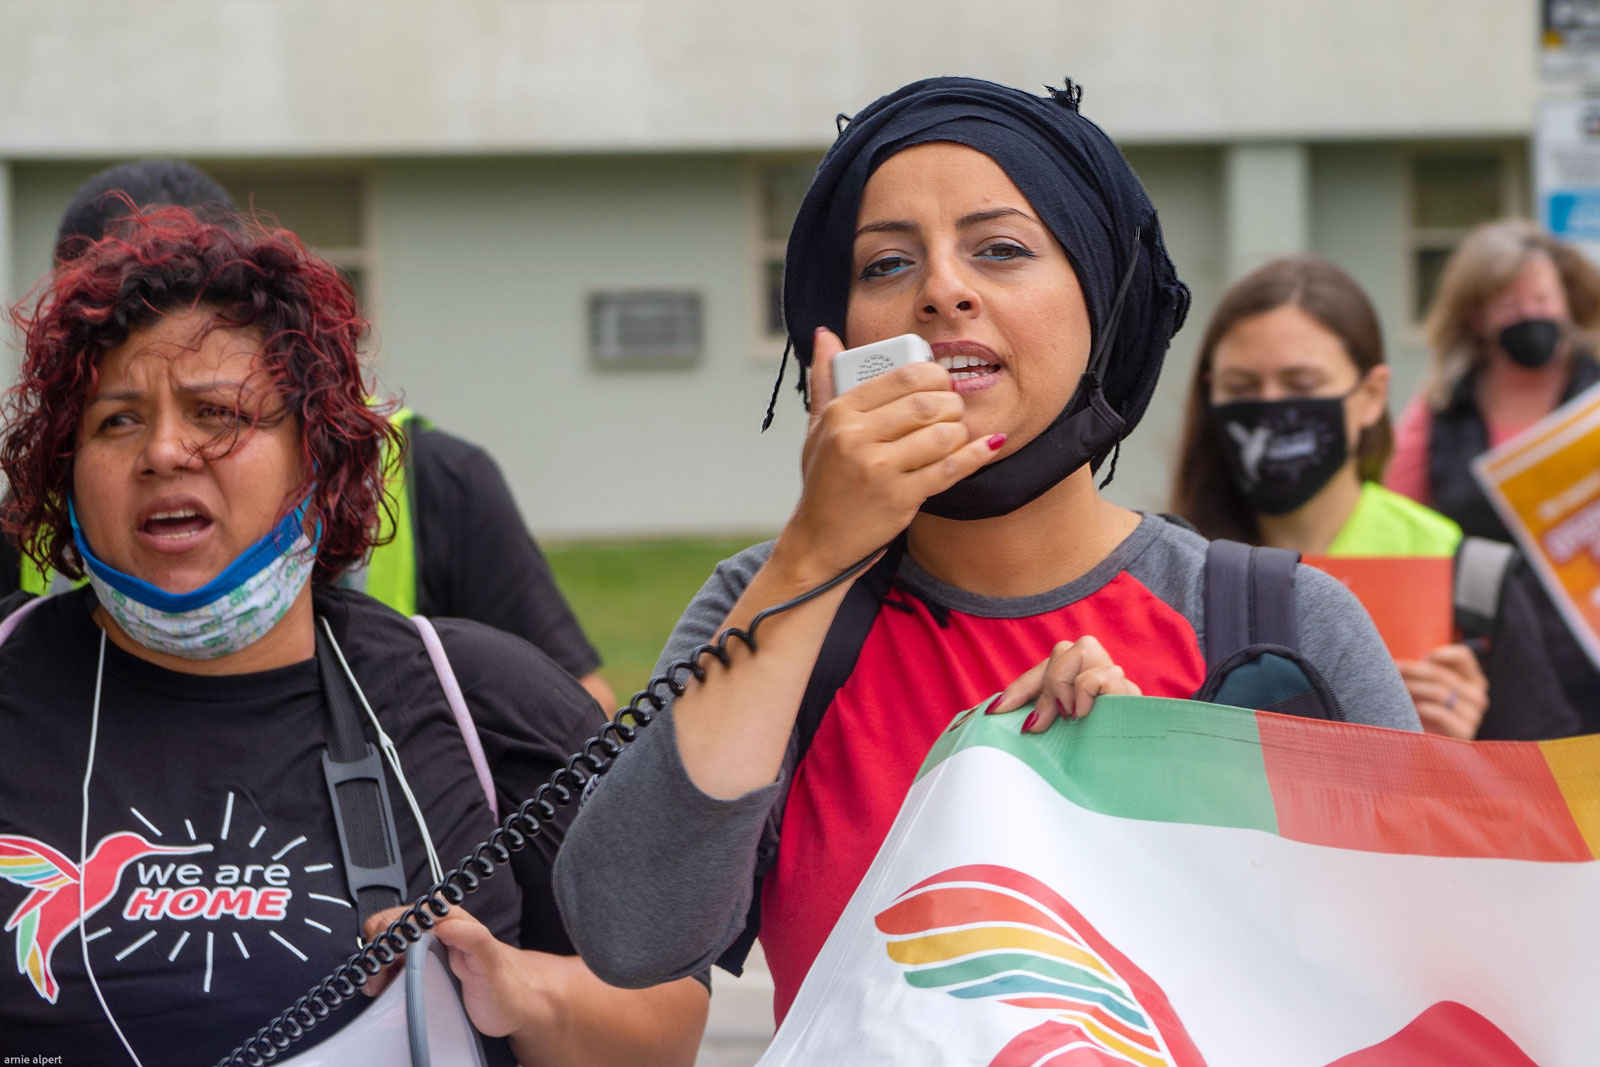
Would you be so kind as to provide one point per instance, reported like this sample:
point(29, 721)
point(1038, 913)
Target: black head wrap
point(1084, 191)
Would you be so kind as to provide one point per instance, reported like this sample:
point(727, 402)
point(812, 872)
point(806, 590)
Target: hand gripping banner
point(1174, 884)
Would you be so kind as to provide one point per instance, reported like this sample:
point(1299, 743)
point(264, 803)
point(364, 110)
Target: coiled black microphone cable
point(512, 835)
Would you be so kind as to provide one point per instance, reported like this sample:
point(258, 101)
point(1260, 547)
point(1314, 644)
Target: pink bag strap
point(458, 708)
point(9, 624)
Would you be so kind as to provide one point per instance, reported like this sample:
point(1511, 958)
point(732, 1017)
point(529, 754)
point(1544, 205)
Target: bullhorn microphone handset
point(854, 366)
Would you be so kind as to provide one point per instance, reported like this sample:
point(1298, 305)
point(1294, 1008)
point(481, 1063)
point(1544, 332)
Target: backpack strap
point(361, 809)
point(1253, 657)
point(1249, 599)
point(1480, 576)
point(841, 648)
point(458, 708)
point(9, 624)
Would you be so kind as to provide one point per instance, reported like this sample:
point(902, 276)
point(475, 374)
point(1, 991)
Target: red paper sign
point(1408, 597)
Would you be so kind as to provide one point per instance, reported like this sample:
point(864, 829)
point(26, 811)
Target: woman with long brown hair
point(1286, 430)
point(1286, 435)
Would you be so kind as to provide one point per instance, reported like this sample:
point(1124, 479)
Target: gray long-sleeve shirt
point(656, 877)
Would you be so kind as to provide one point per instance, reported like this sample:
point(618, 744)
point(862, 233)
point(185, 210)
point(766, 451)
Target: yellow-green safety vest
point(391, 571)
point(1384, 523)
point(35, 579)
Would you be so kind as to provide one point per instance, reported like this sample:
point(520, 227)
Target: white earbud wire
point(83, 853)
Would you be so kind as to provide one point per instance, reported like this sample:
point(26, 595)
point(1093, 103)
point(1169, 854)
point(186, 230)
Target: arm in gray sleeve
point(655, 876)
point(1338, 638)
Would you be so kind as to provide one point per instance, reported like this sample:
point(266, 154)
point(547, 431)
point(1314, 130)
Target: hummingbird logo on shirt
point(258, 889)
point(51, 909)
point(988, 933)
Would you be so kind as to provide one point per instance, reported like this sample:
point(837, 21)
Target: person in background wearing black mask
point(1285, 439)
point(1510, 332)
point(465, 552)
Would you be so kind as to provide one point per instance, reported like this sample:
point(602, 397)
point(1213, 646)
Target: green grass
point(628, 595)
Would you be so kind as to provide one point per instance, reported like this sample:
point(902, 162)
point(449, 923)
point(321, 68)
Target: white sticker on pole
point(1567, 170)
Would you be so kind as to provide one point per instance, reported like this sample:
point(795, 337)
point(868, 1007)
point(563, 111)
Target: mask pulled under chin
point(1281, 452)
point(1085, 429)
point(230, 612)
point(1531, 343)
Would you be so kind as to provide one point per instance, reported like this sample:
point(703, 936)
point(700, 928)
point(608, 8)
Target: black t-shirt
point(215, 887)
point(475, 558)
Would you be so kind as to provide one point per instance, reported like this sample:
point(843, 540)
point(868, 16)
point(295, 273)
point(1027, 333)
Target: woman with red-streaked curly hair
point(177, 268)
point(191, 433)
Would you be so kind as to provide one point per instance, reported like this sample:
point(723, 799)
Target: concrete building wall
point(1364, 216)
point(482, 274)
point(1186, 185)
point(486, 268)
point(515, 156)
point(1359, 218)
point(274, 77)
point(482, 268)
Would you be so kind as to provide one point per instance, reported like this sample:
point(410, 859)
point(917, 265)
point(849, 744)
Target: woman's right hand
point(1065, 684)
point(873, 455)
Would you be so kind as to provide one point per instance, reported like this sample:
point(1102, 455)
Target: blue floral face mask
point(230, 612)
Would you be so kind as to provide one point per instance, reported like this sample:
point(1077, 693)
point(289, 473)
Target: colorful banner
point(1545, 483)
point(1174, 884)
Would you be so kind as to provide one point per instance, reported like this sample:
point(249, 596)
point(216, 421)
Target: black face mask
point(1531, 343)
point(1281, 452)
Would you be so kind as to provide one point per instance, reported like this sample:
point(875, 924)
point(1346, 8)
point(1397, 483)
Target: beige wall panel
point(402, 77)
point(486, 269)
point(1186, 186)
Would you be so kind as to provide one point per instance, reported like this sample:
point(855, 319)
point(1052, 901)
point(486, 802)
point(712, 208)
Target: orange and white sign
point(1545, 483)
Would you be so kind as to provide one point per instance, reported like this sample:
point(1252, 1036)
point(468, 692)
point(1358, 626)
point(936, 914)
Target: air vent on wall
point(644, 329)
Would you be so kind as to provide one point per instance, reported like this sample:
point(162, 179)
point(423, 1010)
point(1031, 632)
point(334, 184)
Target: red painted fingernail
point(994, 702)
point(997, 442)
point(1027, 724)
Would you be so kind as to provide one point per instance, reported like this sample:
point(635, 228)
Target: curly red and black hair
point(263, 281)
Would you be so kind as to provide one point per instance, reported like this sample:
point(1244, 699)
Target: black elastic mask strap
point(1111, 471)
point(783, 365)
point(1108, 339)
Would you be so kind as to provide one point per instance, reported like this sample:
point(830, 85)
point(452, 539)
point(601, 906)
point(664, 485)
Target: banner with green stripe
point(1173, 883)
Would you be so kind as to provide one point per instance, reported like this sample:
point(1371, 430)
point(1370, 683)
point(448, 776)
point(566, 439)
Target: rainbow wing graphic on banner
point(994, 933)
point(1174, 884)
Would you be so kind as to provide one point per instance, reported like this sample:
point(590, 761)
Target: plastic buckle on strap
point(391, 876)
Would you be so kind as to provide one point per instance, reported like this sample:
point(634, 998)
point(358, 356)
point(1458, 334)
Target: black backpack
point(1253, 655)
point(1542, 684)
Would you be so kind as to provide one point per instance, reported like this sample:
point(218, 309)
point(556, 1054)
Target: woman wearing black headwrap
point(1009, 232)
